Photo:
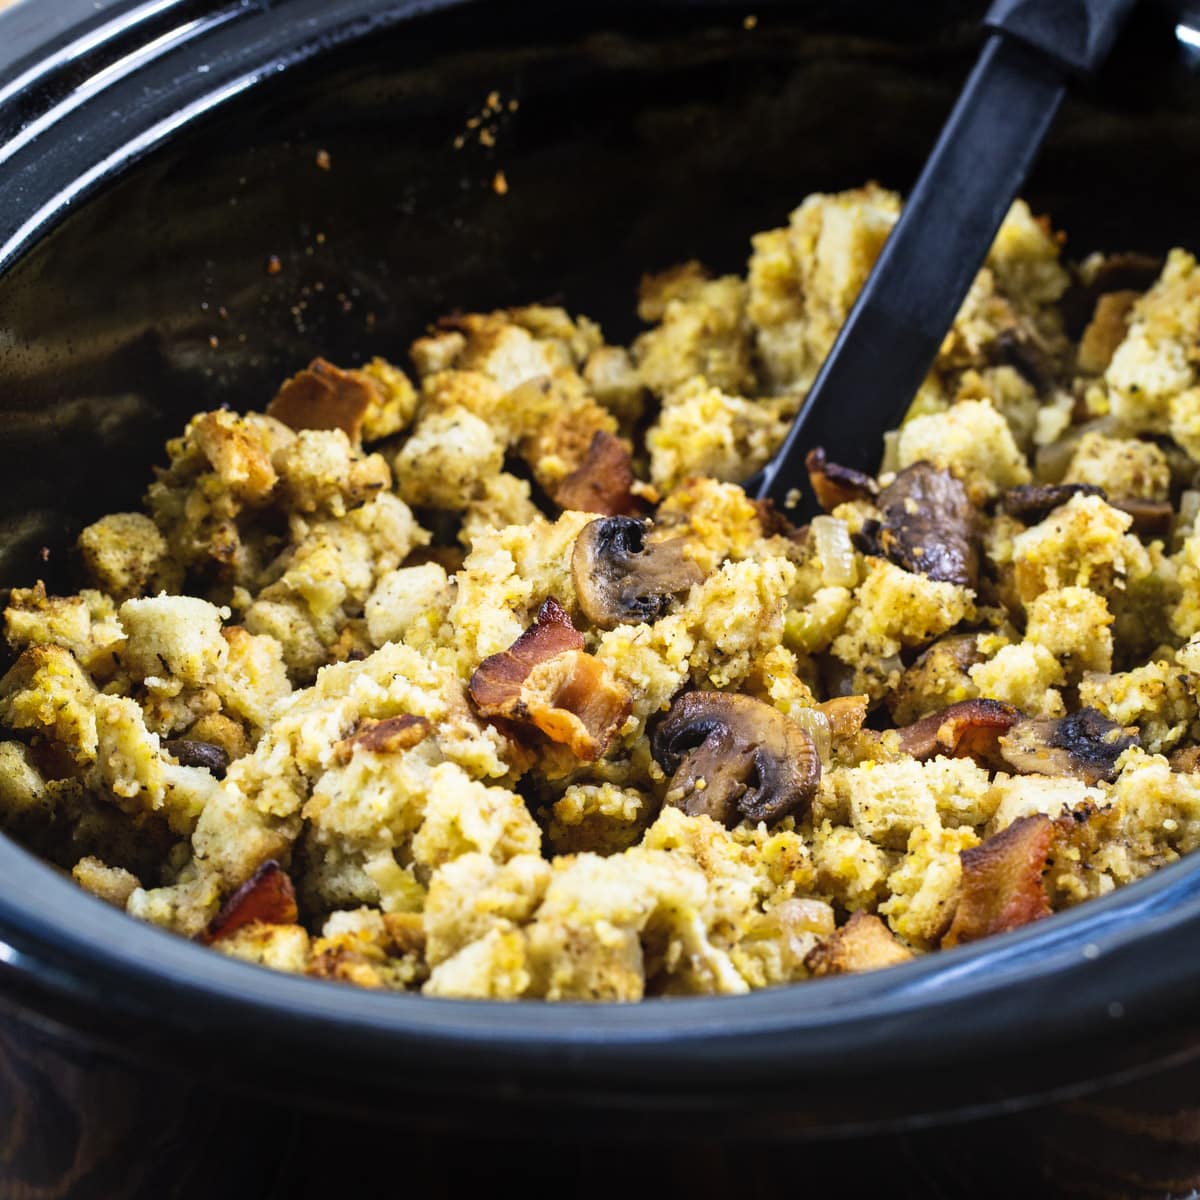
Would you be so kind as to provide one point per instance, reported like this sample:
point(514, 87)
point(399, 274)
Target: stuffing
point(125, 555)
point(972, 440)
point(85, 624)
point(1084, 543)
point(1124, 467)
point(704, 431)
point(493, 682)
point(701, 331)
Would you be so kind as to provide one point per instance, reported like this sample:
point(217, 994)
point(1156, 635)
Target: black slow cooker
point(197, 197)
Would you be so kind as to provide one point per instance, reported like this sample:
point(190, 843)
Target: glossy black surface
point(644, 134)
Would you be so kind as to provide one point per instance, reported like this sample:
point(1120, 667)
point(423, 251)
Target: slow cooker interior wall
point(659, 137)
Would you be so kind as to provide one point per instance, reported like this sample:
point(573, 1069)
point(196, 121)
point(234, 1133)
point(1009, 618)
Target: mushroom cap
point(1083, 744)
point(622, 580)
point(733, 756)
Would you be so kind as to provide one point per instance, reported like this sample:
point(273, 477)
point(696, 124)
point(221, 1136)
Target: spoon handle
point(950, 219)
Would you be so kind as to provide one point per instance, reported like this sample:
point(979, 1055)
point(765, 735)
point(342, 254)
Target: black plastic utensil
point(950, 219)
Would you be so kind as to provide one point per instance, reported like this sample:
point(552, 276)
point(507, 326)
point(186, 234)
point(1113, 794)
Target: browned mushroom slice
point(545, 679)
point(1084, 744)
point(1020, 347)
point(929, 525)
point(1123, 271)
point(834, 484)
point(323, 396)
point(1151, 518)
point(602, 482)
point(188, 752)
point(733, 756)
point(1002, 885)
point(969, 729)
point(620, 579)
point(267, 896)
point(389, 736)
point(864, 943)
point(1034, 502)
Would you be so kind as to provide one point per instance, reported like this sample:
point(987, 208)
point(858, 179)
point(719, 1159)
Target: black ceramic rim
point(1105, 990)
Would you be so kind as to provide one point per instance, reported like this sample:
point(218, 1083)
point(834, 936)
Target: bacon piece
point(500, 676)
point(864, 943)
point(602, 482)
point(1002, 886)
point(834, 484)
point(545, 679)
point(389, 736)
point(267, 896)
point(969, 729)
point(323, 396)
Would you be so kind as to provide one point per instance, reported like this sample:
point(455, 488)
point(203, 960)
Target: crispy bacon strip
point(499, 677)
point(602, 482)
point(389, 736)
point(1002, 885)
point(267, 896)
point(545, 679)
point(864, 943)
point(323, 396)
point(835, 484)
point(969, 729)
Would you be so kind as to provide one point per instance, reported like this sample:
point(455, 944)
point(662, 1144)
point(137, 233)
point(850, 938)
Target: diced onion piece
point(816, 724)
point(835, 551)
point(1189, 509)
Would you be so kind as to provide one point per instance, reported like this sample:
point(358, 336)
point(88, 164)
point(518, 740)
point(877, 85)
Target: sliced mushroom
point(834, 484)
point(620, 579)
point(602, 483)
point(733, 756)
point(190, 753)
point(1002, 885)
point(969, 729)
point(864, 943)
point(1034, 502)
point(1151, 518)
point(389, 736)
point(545, 679)
point(267, 896)
point(929, 525)
point(1124, 271)
point(1021, 348)
point(1085, 745)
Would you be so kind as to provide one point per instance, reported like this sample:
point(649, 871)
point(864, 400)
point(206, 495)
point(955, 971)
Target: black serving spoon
point(949, 221)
